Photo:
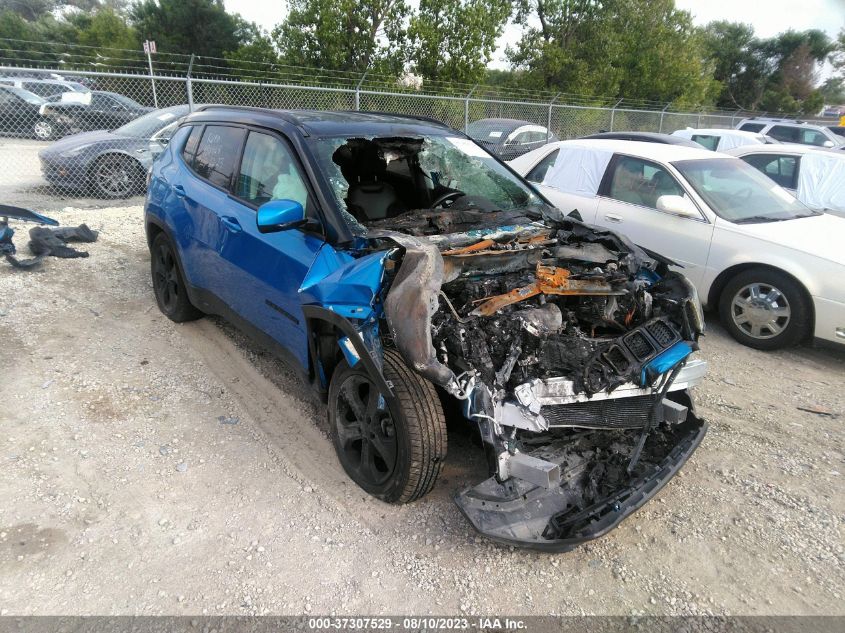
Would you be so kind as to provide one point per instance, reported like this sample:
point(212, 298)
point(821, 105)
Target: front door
point(628, 205)
point(261, 273)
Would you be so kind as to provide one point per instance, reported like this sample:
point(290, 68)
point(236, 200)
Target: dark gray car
point(509, 138)
point(110, 164)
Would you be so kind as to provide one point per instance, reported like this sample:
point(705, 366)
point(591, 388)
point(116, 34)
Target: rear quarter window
point(191, 145)
point(752, 127)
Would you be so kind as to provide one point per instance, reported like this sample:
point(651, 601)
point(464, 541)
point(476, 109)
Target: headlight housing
point(76, 151)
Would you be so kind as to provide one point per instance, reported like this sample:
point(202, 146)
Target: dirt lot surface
point(152, 468)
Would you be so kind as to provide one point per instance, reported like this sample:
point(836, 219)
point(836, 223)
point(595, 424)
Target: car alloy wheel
point(365, 429)
point(43, 130)
point(115, 177)
point(165, 277)
point(760, 310)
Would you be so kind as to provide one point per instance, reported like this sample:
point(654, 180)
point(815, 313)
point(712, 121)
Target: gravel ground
point(154, 468)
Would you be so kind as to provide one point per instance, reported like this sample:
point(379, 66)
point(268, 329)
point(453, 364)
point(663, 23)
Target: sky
point(768, 18)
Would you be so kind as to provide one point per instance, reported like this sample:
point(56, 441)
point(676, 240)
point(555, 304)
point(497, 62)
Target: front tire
point(394, 455)
point(765, 309)
point(169, 287)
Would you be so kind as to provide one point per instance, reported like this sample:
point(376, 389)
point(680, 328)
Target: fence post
point(613, 114)
point(188, 86)
point(358, 90)
point(466, 107)
point(733, 116)
point(662, 112)
point(699, 120)
point(549, 118)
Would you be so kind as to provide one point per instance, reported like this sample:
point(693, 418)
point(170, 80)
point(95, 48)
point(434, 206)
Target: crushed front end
point(571, 350)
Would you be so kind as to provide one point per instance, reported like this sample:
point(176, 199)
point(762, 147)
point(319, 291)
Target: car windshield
point(129, 103)
point(739, 193)
point(26, 95)
point(375, 178)
point(147, 125)
point(490, 131)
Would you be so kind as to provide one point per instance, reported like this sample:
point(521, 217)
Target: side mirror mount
point(678, 205)
point(279, 215)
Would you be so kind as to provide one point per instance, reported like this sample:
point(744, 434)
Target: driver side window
point(641, 182)
point(269, 172)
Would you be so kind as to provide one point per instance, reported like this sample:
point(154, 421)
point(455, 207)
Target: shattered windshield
point(379, 178)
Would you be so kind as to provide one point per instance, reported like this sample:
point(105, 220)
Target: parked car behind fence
point(110, 164)
point(20, 115)
point(509, 138)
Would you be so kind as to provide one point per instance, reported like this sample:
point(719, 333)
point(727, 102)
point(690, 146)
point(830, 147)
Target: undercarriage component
point(595, 492)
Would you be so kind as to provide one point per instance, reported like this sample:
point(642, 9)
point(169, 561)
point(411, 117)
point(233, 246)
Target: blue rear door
point(203, 185)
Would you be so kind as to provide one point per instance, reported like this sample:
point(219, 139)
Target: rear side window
point(191, 145)
point(538, 174)
point(782, 169)
point(217, 154)
point(813, 137)
point(752, 127)
point(786, 133)
point(707, 141)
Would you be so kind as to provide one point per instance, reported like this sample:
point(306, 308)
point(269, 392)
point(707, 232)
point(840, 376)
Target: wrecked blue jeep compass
point(400, 265)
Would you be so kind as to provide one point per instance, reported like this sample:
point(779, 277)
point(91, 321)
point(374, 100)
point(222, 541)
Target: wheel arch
point(324, 327)
point(113, 152)
point(722, 279)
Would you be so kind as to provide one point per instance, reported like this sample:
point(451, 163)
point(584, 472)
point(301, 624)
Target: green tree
point(453, 40)
point(202, 27)
point(777, 74)
point(350, 35)
point(739, 64)
point(104, 28)
point(256, 54)
point(634, 49)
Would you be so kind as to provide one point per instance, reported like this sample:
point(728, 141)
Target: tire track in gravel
point(283, 423)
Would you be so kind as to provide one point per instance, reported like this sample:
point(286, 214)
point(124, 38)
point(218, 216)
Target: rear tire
point(43, 130)
point(395, 456)
point(169, 287)
point(765, 309)
point(116, 176)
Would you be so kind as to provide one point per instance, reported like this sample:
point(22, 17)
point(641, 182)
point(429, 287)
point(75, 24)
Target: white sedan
point(720, 140)
point(774, 268)
point(813, 175)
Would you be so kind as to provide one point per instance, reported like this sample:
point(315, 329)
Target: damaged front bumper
point(594, 494)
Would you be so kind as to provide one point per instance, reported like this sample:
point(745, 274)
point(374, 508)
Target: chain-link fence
point(95, 134)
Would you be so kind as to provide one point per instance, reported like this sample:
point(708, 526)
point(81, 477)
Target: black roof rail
point(291, 117)
point(416, 117)
point(286, 115)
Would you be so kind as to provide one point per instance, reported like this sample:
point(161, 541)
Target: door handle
point(231, 224)
point(179, 190)
point(612, 217)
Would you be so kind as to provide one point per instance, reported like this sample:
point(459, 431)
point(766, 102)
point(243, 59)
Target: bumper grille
point(662, 333)
point(619, 413)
